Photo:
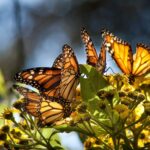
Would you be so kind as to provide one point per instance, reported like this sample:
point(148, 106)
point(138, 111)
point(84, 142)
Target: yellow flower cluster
point(131, 113)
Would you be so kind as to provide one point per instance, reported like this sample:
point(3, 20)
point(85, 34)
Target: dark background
point(32, 32)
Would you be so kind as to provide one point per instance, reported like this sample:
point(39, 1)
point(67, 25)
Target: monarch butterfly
point(69, 74)
point(132, 65)
point(53, 82)
point(47, 111)
point(92, 57)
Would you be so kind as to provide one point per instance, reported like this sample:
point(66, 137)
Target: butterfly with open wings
point(133, 65)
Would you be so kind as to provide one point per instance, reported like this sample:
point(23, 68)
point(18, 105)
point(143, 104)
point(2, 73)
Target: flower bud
point(82, 108)
point(122, 94)
point(5, 129)
point(141, 97)
point(102, 105)
point(106, 95)
point(133, 95)
point(142, 136)
point(122, 110)
point(110, 96)
point(6, 145)
point(18, 104)
point(3, 136)
point(8, 114)
point(23, 141)
point(24, 125)
point(16, 134)
point(87, 118)
point(101, 94)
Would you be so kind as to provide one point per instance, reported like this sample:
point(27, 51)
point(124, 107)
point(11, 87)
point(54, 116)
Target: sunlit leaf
point(91, 82)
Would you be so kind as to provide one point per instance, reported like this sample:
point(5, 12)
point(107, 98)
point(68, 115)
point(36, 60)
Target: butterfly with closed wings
point(47, 111)
point(99, 62)
point(132, 65)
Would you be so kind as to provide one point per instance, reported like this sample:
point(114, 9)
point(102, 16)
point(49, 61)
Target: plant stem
point(11, 138)
point(101, 125)
point(29, 134)
point(46, 141)
point(115, 143)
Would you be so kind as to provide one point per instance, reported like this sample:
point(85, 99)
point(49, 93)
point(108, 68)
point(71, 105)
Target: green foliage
point(27, 132)
point(91, 82)
point(108, 112)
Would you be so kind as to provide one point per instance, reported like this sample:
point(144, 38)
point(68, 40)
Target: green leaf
point(66, 128)
point(86, 90)
point(91, 82)
point(115, 117)
point(58, 148)
point(46, 132)
point(93, 105)
point(49, 133)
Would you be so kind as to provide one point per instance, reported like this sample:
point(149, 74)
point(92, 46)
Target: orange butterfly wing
point(32, 100)
point(141, 64)
point(101, 64)
point(69, 74)
point(50, 112)
point(120, 51)
point(46, 80)
point(92, 57)
point(58, 62)
point(47, 111)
